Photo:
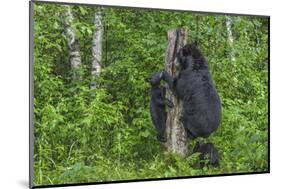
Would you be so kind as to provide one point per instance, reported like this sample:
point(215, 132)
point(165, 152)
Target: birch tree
point(230, 37)
point(97, 47)
point(72, 41)
point(176, 135)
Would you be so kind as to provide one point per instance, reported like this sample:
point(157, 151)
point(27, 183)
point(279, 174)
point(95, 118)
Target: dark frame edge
point(268, 97)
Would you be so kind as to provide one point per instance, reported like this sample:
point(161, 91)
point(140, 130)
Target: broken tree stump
point(176, 135)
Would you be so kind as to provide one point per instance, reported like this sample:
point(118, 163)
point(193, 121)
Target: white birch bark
point(230, 37)
point(176, 135)
point(97, 47)
point(73, 43)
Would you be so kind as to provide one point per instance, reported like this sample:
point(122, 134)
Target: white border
point(14, 103)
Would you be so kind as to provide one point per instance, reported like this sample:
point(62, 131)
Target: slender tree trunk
point(73, 43)
point(176, 135)
point(97, 47)
point(230, 37)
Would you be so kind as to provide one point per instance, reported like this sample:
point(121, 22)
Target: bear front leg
point(170, 81)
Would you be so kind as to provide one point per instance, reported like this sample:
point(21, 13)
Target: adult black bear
point(207, 152)
point(157, 106)
point(194, 86)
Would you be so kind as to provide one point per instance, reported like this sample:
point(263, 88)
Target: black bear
point(207, 152)
point(194, 86)
point(158, 103)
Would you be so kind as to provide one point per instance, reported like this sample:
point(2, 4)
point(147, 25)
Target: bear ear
point(184, 51)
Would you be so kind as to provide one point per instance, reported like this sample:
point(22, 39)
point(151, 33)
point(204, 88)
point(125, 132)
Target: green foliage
point(106, 134)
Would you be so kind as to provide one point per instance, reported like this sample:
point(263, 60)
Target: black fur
point(194, 86)
point(207, 152)
point(157, 106)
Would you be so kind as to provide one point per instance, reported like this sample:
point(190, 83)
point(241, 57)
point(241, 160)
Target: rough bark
point(230, 37)
point(97, 47)
point(73, 43)
point(176, 135)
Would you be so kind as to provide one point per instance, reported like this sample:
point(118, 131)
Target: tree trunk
point(97, 47)
point(230, 37)
point(176, 135)
point(73, 43)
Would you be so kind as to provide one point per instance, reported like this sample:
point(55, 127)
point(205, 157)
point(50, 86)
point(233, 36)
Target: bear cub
point(158, 103)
